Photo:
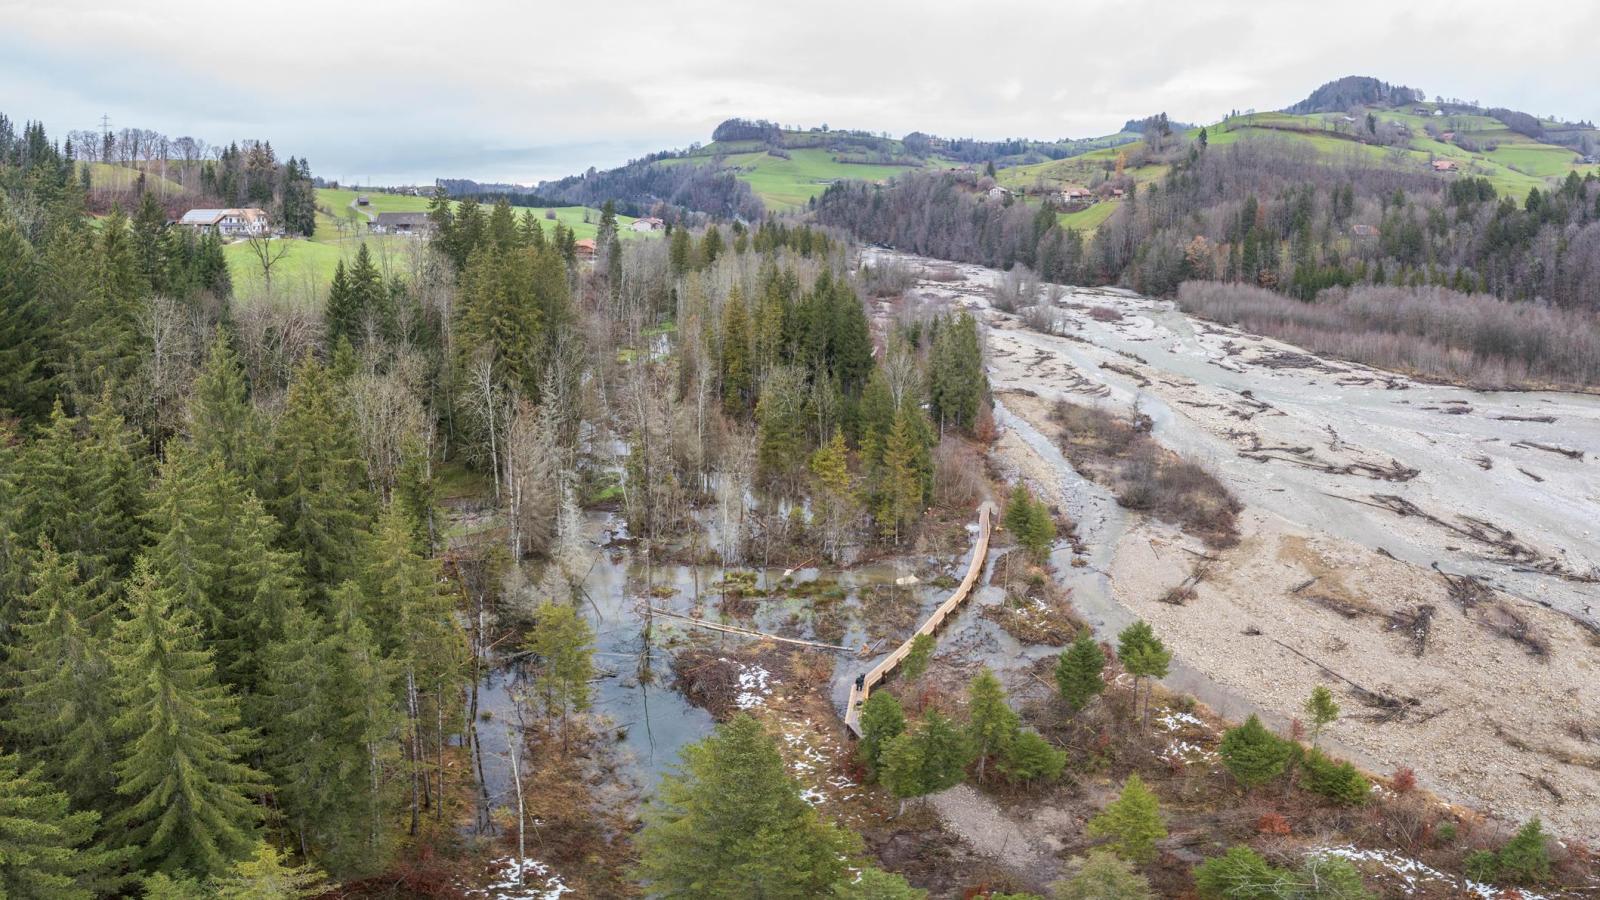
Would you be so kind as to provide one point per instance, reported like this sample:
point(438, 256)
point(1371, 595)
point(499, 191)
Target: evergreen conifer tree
point(1078, 671)
point(882, 720)
point(991, 724)
point(1132, 822)
point(1253, 754)
point(45, 850)
point(187, 793)
point(732, 824)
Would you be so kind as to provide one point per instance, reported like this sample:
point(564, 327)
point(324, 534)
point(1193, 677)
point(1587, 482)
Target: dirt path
point(1356, 484)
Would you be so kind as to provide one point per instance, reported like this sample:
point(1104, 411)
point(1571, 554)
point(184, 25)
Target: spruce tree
point(882, 720)
point(266, 875)
point(1322, 710)
point(328, 713)
point(45, 851)
point(1253, 754)
point(731, 824)
point(930, 757)
point(186, 792)
point(1132, 822)
point(321, 495)
point(734, 359)
point(1525, 859)
point(873, 883)
point(991, 724)
point(222, 420)
point(116, 478)
point(342, 315)
point(1144, 656)
point(1338, 781)
point(900, 506)
point(24, 384)
point(57, 679)
point(1029, 757)
point(956, 379)
point(1102, 875)
point(212, 549)
point(1078, 671)
point(561, 644)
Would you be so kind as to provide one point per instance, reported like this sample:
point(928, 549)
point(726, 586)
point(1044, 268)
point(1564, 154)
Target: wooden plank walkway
point(862, 688)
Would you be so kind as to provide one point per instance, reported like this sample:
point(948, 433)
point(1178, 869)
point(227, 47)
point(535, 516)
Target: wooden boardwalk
point(863, 685)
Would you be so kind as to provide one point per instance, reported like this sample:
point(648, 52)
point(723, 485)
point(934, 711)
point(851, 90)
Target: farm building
point(363, 200)
point(1364, 231)
point(1074, 194)
point(585, 248)
point(648, 223)
point(229, 223)
point(1444, 165)
point(998, 193)
point(401, 223)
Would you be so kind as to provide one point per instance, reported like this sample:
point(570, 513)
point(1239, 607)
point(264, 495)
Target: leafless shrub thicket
point(1121, 454)
point(1436, 333)
point(1017, 288)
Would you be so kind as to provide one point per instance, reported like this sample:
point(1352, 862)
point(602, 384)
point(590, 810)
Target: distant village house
point(400, 223)
point(648, 223)
point(998, 193)
point(1444, 165)
point(229, 223)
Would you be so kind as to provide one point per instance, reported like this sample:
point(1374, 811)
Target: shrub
point(1242, 873)
point(1103, 876)
point(1404, 780)
point(1525, 859)
point(1254, 755)
point(1337, 781)
point(1029, 757)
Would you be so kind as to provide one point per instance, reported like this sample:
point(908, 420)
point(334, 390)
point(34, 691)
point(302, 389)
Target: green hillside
point(342, 229)
point(1480, 145)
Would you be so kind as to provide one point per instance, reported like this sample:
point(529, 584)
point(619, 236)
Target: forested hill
point(1352, 91)
point(752, 167)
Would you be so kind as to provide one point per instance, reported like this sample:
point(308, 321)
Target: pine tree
point(833, 501)
point(732, 824)
point(562, 646)
point(57, 678)
point(342, 315)
point(187, 793)
point(991, 724)
point(1253, 754)
point(1102, 875)
point(1321, 710)
point(882, 720)
point(1132, 822)
point(1525, 859)
point(321, 496)
point(44, 846)
point(1078, 671)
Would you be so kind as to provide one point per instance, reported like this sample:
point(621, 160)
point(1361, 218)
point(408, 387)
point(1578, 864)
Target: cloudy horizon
point(403, 92)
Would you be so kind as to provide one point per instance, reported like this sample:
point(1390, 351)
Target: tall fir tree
point(222, 420)
point(1078, 671)
point(732, 824)
point(187, 794)
point(322, 498)
point(991, 724)
point(329, 718)
point(45, 849)
point(58, 704)
point(212, 547)
point(24, 381)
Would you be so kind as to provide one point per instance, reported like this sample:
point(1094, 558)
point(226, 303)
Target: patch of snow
point(1416, 874)
point(754, 686)
point(520, 879)
point(1173, 720)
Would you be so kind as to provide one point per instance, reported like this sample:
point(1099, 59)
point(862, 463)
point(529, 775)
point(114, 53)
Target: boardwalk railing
point(863, 685)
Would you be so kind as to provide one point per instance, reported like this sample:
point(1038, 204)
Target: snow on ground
point(755, 686)
point(1417, 875)
point(524, 879)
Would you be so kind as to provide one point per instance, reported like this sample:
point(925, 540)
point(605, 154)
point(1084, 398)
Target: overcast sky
point(405, 91)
